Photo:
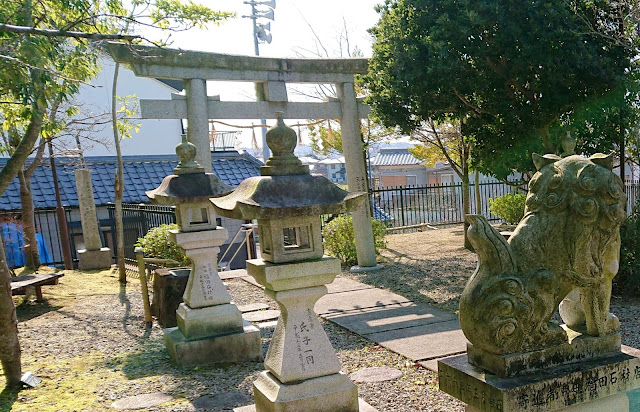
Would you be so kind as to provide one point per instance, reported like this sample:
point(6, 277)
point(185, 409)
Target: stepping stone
point(386, 318)
point(261, 315)
point(252, 307)
point(425, 342)
point(224, 400)
point(232, 274)
point(368, 375)
point(357, 299)
point(346, 285)
point(145, 401)
point(250, 279)
point(363, 407)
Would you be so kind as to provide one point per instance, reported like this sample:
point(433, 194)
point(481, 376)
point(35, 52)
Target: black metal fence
point(396, 207)
point(434, 204)
point(442, 204)
point(137, 219)
point(47, 234)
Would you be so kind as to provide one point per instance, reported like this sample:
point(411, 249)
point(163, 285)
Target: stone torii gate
point(270, 75)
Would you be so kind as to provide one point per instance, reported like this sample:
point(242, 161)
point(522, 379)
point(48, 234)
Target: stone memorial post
point(93, 256)
point(563, 254)
point(210, 328)
point(303, 371)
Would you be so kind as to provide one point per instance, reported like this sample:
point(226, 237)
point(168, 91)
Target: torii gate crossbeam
point(271, 76)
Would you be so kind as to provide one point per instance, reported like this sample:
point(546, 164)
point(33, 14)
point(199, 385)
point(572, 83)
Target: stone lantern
point(210, 328)
point(303, 371)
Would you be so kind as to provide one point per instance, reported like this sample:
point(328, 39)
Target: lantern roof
point(285, 187)
point(189, 184)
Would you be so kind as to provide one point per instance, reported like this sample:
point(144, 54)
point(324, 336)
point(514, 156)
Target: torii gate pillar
point(195, 68)
point(356, 176)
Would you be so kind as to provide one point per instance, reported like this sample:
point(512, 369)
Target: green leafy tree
point(46, 53)
point(511, 69)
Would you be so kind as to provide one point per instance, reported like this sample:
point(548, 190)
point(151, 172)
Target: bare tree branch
point(9, 28)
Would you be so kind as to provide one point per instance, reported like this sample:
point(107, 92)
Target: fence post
point(401, 205)
point(112, 223)
point(142, 271)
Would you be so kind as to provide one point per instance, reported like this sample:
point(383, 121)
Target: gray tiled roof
point(141, 173)
point(394, 158)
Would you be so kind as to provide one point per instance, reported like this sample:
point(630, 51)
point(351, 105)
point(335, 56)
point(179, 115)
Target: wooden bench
point(20, 284)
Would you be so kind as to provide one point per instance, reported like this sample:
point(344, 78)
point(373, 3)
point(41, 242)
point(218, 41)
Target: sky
point(293, 28)
point(301, 28)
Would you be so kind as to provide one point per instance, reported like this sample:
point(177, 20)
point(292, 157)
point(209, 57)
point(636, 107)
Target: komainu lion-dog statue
point(567, 243)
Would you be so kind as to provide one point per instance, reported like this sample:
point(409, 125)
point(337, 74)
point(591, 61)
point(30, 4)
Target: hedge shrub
point(627, 281)
point(509, 207)
point(339, 239)
point(156, 243)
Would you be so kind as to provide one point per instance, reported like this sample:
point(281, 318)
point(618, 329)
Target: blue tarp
point(14, 245)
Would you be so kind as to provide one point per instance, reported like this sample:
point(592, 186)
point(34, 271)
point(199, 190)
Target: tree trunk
point(9, 344)
point(32, 257)
point(24, 149)
point(477, 190)
point(118, 183)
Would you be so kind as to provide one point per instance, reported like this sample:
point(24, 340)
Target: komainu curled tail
point(495, 308)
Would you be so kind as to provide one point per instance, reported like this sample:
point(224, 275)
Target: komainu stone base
point(554, 389)
point(94, 259)
point(233, 347)
point(579, 348)
point(331, 393)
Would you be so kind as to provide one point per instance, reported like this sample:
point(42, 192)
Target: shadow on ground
point(7, 397)
point(28, 310)
point(439, 281)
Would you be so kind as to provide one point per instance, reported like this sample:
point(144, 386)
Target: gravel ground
point(88, 343)
point(427, 267)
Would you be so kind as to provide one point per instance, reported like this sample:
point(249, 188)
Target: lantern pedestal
point(210, 327)
point(303, 371)
point(235, 347)
point(326, 393)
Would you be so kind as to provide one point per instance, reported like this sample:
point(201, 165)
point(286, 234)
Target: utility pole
point(261, 34)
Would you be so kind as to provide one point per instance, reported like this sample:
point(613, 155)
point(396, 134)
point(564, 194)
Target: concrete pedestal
point(328, 393)
point(234, 347)
point(94, 259)
point(209, 321)
point(210, 327)
point(303, 371)
point(604, 384)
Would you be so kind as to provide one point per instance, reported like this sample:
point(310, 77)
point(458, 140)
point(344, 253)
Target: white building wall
point(154, 137)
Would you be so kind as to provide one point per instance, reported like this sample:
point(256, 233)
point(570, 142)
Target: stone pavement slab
point(341, 284)
point(252, 307)
point(357, 299)
point(261, 315)
point(376, 374)
point(144, 401)
point(363, 407)
point(270, 324)
point(250, 279)
point(232, 274)
point(224, 400)
point(386, 318)
point(432, 364)
point(424, 342)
